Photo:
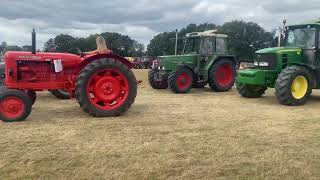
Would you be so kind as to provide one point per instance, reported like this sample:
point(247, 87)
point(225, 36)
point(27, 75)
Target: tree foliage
point(164, 43)
point(120, 44)
point(244, 38)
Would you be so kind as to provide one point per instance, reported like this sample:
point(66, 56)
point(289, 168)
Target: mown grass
point(201, 135)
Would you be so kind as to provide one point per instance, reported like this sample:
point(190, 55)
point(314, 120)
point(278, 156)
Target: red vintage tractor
point(103, 84)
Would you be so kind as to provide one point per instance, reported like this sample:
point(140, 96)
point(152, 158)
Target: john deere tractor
point(293, 70)
point(204, 60)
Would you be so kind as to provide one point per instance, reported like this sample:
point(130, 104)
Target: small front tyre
point(15, 105)
point(250, 91)
point(155, 84)
point(181, 80)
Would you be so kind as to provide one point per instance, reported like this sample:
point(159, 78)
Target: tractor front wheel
point(181, 80)
point(32, 95)
point(106, 88)
point(15, 105)
point(293, 86)
point(250, 91)
point(222, 75)
point(154, 84)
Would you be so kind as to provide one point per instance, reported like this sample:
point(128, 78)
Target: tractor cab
point(306, 37)
point(205, 43)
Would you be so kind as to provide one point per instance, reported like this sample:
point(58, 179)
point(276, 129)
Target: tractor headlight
point(261, 64)
point(161, 68)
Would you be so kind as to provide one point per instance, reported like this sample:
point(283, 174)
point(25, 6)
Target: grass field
point(201, 135)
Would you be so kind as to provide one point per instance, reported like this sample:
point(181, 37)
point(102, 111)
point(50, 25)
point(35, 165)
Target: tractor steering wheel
point(82, 54)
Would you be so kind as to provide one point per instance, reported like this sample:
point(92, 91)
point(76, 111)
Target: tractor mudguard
point(217, 58)
point(88, 59)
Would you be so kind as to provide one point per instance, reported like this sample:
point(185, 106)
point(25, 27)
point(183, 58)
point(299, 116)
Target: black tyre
point(15, 105)
point(250, 91)
point(181, 80)
point(106, 87)
point(153, 83)
point(60, 94)
point(199, 84)
point(222, 75)
point(32, 95)
point(293, 86)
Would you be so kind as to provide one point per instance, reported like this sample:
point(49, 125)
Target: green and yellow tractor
point(204, 60)
point(293, 70)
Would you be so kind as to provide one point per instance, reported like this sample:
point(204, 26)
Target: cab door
point(317, 49)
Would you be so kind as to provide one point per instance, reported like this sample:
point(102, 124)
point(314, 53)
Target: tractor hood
point(278, 50)
point(170, 62)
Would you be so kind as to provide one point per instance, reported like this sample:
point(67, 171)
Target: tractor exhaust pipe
point(33, 34)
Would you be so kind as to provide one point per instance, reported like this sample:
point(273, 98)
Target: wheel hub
point(299, 87)
point(12, 107)
point(107, 88)
point(183, 80)
point(224, 75)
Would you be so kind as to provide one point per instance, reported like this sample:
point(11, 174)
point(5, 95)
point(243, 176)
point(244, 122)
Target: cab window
point(207, 46)
point(221, 46)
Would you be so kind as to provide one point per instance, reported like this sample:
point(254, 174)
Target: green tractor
point(293, 70)
point(204, 60)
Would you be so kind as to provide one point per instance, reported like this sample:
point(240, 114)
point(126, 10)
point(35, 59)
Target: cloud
point(140, 19)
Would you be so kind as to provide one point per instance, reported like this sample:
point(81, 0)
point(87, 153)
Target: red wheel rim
point(224, 75)
point(108, 89)
point(12, 107)
point(183, 81)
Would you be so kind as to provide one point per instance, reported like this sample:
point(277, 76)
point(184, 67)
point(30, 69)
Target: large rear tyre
point(250, 91)
point(222, 75)
point(61, 94)
point(293, 86)
point(106, 88)
point(15, 105)
point(154, 84)
point(181, 80)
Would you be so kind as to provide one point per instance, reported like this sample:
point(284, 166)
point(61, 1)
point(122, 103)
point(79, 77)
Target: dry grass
point(201, 135)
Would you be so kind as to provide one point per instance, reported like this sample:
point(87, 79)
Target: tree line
point(244, 38)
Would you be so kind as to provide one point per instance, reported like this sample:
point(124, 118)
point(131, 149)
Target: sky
point(140, 19)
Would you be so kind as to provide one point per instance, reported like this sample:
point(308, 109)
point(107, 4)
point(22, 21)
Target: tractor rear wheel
point(222, 75)
point(293, 86)
point(60, 94)
point(15, 105)
point(181, 80)
point(250, 91)
point(106, 88)
point(154, 84)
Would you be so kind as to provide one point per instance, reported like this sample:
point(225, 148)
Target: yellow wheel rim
point(299, 87)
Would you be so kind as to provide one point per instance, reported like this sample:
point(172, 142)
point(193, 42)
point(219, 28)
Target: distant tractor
point(293, 70)
point(103, 84)
point(204, 61)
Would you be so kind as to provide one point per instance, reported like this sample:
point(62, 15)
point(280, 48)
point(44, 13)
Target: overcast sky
point(140, 19)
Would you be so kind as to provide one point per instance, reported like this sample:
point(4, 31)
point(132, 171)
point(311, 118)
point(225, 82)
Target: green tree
point(120, 44)
point(244, 38)
point(164, 43)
